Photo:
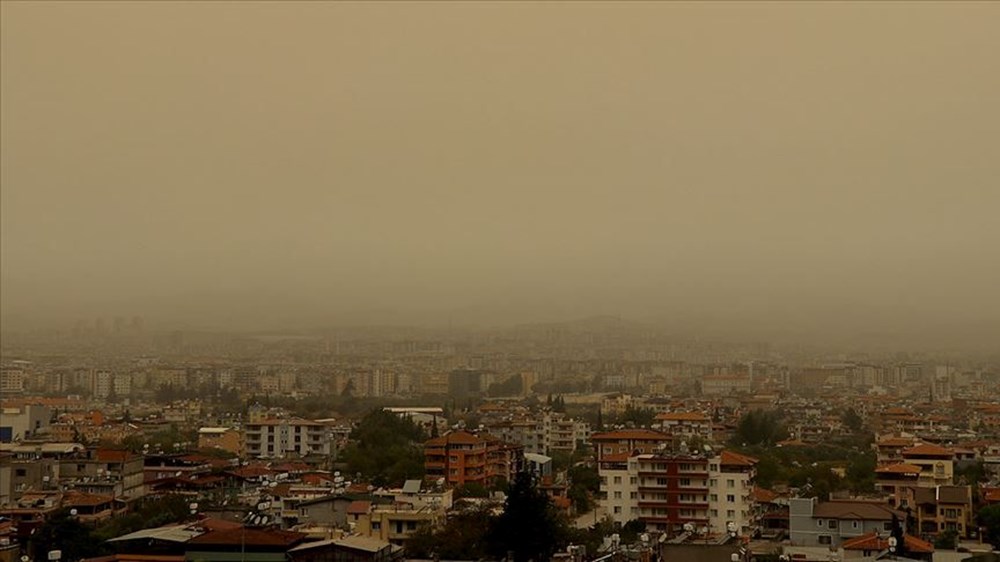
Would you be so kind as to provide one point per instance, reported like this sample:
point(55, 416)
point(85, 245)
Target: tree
point(946, 540)
point(64, 532)
point(463, 536)
point(530, 527)
point(989, 519)
point(639, 417)
point(387, 448)
point(760, 427)
point(348, 389)
point(852, 420)
point(471, 490)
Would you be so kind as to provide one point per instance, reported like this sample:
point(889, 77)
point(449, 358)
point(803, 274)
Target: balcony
point(672, 504)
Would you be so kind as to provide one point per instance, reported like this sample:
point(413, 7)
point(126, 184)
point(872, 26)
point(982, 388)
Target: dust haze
point(811, 171)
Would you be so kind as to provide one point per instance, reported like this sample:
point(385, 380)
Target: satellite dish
point(688, 527)
point(704, 530)
point(73, 511)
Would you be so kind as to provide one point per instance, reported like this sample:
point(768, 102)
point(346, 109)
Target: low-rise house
point(828, 523)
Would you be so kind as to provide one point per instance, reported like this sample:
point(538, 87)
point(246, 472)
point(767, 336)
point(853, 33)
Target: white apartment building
point(620, 486)
point(667, 491)
point(283, 438)
point(545, 434)
point(730, 489)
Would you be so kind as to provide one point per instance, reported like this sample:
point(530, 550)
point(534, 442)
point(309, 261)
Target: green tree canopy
point(530, 527)
point(386, 448)
point(760, 427)
point(989, 519)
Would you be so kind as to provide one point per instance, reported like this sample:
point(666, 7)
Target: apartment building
point(943, 508)
point(896, 482)
point(628, 441)
point(283, 438)
point(672, 491)
point(458, 457)
point(685, 425)
point(667, 491)
point(545, 434)
point(730, 493)
point(619, 473)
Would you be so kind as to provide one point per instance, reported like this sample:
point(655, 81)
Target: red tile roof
point(730, 458)
point(763, 495)
point(455, 437)
point(928, 449)
point(872, 541)
point(358, 507)
point(249, 536)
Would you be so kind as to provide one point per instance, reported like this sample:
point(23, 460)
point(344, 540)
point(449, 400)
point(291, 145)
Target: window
point(618, 509)
point(685, 481)
point(376, 526)
point(730, 513)
point(618, 479)
point(819, 522)
point(712, 482)
point(714, 468)
point(714, 512)
point(831, 524)
point(855, 524)
point(730, 498)
point(411, 525)
point(730, 483)
point(618, 495)
point(713, 497)
point(825, 539)
point(633, 480)
point(633, 495)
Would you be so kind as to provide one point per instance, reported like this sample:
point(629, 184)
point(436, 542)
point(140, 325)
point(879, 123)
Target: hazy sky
point(815, 165)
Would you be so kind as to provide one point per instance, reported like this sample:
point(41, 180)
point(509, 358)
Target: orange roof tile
point(873, 541)
point(928, 449)
point(730, 458)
